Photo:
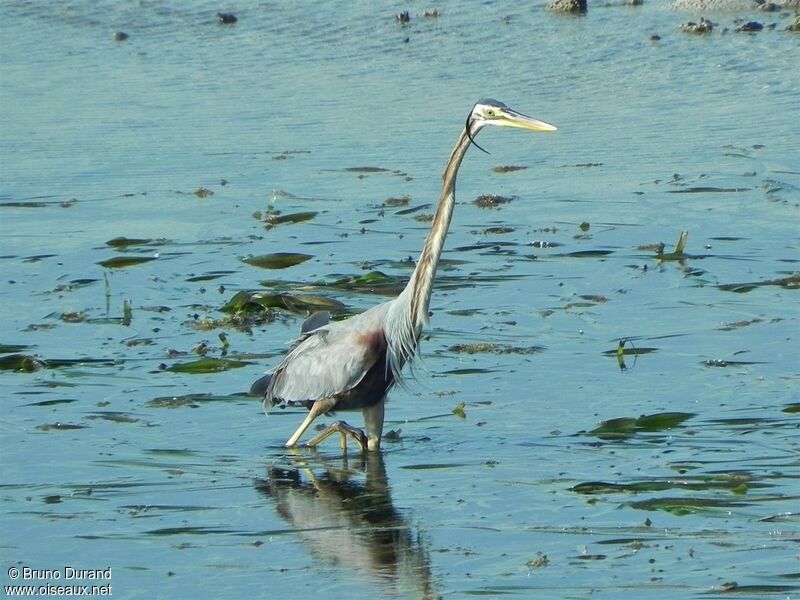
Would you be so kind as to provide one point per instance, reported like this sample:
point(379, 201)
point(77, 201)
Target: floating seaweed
point(624, 427)
point(207, 365)
point(277, 260)
point(120, 262)
point(247, 301)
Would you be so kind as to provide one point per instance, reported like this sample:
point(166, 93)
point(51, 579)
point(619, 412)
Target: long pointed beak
point(516, 119)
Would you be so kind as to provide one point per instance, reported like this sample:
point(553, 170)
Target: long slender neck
point(421, 282)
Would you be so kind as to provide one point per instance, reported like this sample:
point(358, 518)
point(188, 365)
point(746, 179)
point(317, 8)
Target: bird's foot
point(345, 430)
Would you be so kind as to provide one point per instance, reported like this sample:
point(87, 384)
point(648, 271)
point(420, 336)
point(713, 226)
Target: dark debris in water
point(721, 364)
point(397, 202)
point(750, 27)
point(433, 466)
point(706, 189)
point(73, 285)
point(491, 201)
point(53, 402)
point(366, 170)
point(468, 371)
point(114, 417)
point(209, 276)
point(491, 348)
point(36, 203)
point(701, 27)
point(735, 590)
point(496, 246)
point(413, 209)
point(498, 230)
point(190, 530)
point(576, 7)
point(739, 324)
point(540, 561)
point(792, 282)
point(585, 254)
point(508, 169)
point(58, 426)
point(190, 401)
point(226, 18)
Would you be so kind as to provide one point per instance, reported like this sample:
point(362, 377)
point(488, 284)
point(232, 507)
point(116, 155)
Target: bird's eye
point(490, 113)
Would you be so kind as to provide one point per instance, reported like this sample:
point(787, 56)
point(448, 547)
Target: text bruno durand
point(63, 581)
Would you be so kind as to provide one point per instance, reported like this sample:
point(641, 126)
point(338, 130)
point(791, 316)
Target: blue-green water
point(524, 496)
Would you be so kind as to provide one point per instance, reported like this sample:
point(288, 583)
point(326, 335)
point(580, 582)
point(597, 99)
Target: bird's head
point(494, 112)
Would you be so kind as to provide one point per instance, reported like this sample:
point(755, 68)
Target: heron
point(352, 364)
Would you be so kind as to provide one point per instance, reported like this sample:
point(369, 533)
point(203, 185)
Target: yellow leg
point(373, 423)
point(320, 407)
point(345, 430)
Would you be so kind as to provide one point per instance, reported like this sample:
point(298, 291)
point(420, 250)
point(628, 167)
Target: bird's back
point(346, 360)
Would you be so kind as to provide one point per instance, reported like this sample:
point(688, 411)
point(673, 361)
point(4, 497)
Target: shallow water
point(112, 456)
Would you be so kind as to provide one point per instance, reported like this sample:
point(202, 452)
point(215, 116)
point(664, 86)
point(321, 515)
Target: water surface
point(547, 482)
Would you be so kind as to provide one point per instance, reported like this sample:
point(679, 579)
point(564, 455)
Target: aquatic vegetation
point(681, 506)
point(124, 242)
point(274, 218)
point(500, 230)
point(396, 202)
point(459, 410)
point(491, 201)
point(492, 348)
point(792, 282)
point(413, 209)
point(207, 365)
point(23, 363)
point(277, 260)
point(26, 363)
point(188, 401)
point(736, 482)
point(624, 427)
point(121, 262)
point(203, 192)
point(12, 348)
point(249, 301)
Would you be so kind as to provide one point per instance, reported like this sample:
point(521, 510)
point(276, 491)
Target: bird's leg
point(319, 407)
point(373, 423)
point(345, 430)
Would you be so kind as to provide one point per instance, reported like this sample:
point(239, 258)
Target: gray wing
point(315, 321)
point(329, 360)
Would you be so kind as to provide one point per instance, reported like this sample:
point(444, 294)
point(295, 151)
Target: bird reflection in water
point(346, 517)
